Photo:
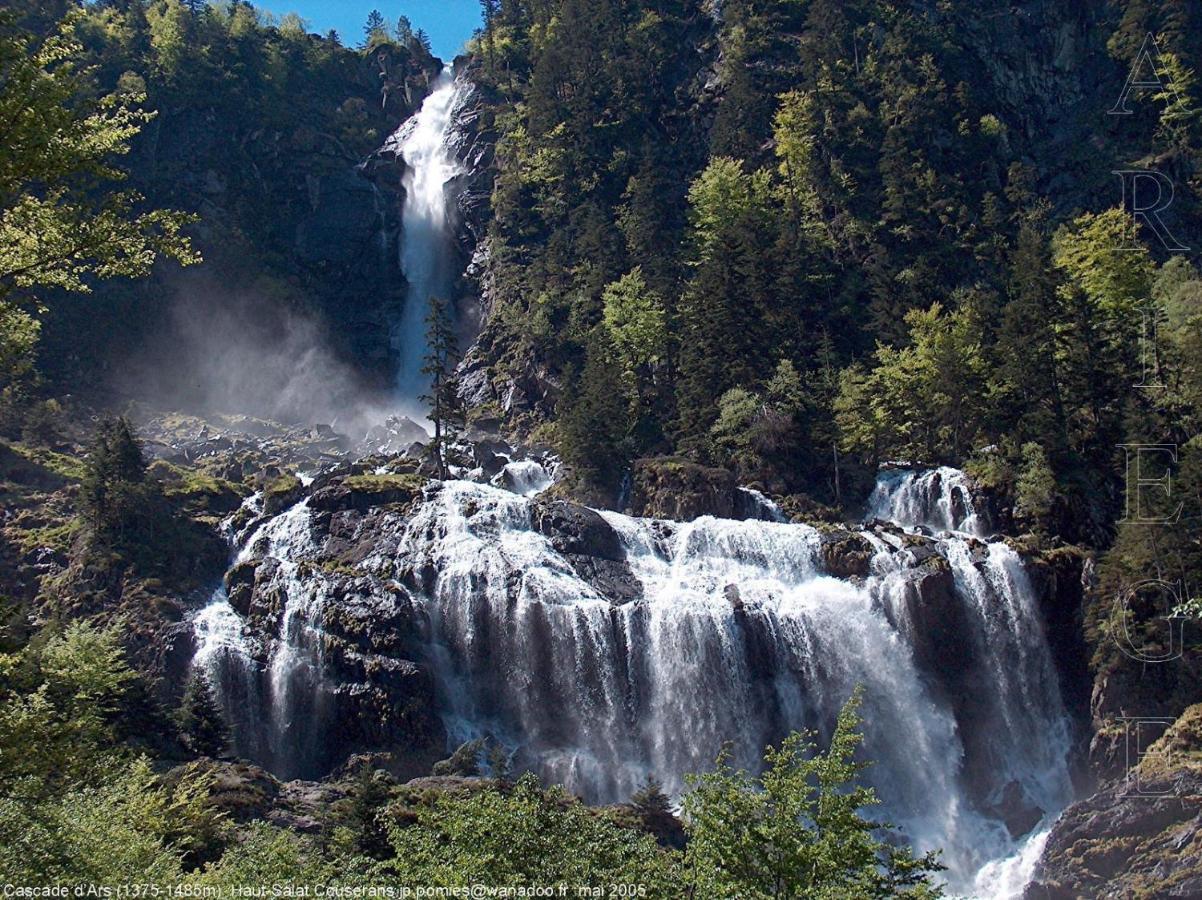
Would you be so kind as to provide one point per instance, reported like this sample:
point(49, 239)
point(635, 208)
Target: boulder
point(590, 546)
point(846, 554)
point(576, 530)
point(362, 492)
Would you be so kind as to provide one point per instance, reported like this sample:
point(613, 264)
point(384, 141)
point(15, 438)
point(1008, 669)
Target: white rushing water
point(426, 257)
point(735, 635)
point(938, 499)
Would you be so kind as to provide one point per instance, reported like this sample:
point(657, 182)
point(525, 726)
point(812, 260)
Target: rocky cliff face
point(1138, 836)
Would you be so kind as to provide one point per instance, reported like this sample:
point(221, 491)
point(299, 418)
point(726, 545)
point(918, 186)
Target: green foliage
point(55, 710)
point(113, 477)
point(921, 402)
point(201, 723)
point(61, 141)
point(18, 337)
point(797, 830)
point(104, 832)
point(1035, 488)
point(595, 425)
point(650, 799)
point(637, 322)
point(522, 836)
point(737, 410)
point(74, 806)
point(363, 813)
point(268, 855)
point(464, 762)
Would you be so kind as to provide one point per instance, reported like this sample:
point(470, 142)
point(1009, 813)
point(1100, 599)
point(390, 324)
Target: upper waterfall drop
point(427, 254)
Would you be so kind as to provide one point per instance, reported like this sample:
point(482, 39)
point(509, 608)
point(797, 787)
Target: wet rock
point(281, 492)
point(1016, 810)
point(846, 554)
point(576, 530)
point(590, 546)
point(362, 492)
point(394, 435)
point(240, 585)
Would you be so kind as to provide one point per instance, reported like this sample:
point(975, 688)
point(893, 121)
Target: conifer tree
point(595, 420)
point(489, 10)
point(113, 472)
point(369, 796)
point(375, 31)
point(446, 408)
point(650, 799)
point(201, 723)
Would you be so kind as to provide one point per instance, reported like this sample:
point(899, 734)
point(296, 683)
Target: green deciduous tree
point(62, 222)
point(923, 401)
point(798, 830)
point(526, 835)
point(637, 322)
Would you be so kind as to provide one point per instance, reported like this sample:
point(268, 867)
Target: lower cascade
point(600, 649)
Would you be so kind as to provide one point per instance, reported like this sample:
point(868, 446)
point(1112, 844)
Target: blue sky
point(448, 22)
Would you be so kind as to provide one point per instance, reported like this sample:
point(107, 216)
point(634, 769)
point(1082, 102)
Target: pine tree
point(498, 761)
point(595, 419)
point(404, 31)
point(369, 795)
point(200, 720)
point(1025, 375)
point(650, 799)
point(446, 407)
point(113, 472)
point(489, 10)
point(375, 31)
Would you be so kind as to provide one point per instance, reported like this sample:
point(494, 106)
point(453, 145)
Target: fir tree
point(446, 407)
point(369, 795)
point(650, 799)
point(404, 31)
point(498, 761)
point(201, 723)
point(595, 419)
point(113, 472)
point(489, 10)
point(375, 31)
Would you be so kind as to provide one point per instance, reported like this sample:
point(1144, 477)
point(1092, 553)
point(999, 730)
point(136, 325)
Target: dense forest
point(781, 242)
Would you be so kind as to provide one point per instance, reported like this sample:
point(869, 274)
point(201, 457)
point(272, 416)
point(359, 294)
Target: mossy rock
point(197, 491)
point(362, 492)
point(282, 492)
point(1179, 747)
point(669, 487)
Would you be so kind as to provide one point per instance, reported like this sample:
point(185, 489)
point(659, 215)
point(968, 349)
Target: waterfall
point(940, 499)
point(735, 635)
point(427, 256)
